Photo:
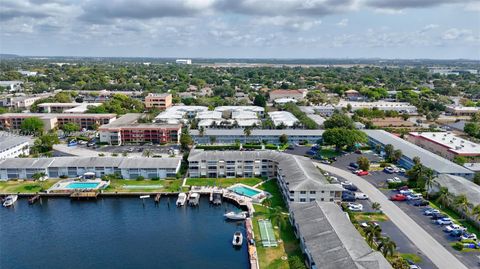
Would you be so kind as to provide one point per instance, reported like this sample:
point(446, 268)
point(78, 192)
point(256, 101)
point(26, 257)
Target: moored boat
point(237, 239)
point(10, 200)
point(235, 215)
point(182, 198)
point(193, 199)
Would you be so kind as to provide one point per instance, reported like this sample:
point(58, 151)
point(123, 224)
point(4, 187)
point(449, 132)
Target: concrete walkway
point(436, 252)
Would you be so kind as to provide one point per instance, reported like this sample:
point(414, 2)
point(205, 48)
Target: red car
point(398, 197)
point(362, 173)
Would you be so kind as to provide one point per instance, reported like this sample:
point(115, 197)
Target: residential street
point(437, 253)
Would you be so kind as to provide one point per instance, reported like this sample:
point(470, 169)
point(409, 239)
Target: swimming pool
point(82, 185)
point(245, 191)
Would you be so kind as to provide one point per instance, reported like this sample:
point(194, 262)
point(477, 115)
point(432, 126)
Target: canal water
point(118, 233)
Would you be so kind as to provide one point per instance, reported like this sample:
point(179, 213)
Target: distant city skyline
point(391, 29)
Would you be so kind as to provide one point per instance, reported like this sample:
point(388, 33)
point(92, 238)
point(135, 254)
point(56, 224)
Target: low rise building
point(461, 110)
point(11, 85)
point(227, 111)
point(299, 180)
point(66, 107)
point(329, 239)
point(298, 95)
point(284, 118)
point(183, 61)
point(438, 164)
point(127, 130)
point(158, 100)
point(12, 146)
point(72, 167)
point(401, 107)
point(446, 144)
point(10, 121)
point(177, 114)
point(230, 136)
point(353, 95)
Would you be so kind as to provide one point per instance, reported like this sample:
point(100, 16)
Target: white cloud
point(455, 33)
point(342, 23)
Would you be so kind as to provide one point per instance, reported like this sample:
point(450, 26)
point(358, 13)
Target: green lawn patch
point(369, 216)
point(271, 187)
point(329, 153)
point(411, 256)
point(167, 185)
point(27, 186)
point(222, 182)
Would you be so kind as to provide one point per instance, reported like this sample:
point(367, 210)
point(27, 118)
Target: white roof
point(378, 104)
point(209, 115)
point(451, 141)
point(285, 100)
point(178, 112)
point(240, 108)
point(285, 117)
point(244, 115)
point(464, 108)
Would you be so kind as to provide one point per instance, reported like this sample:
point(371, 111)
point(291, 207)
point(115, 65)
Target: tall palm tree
point(372, 232)
point(201, 131)
point(247, 132)
point(267, 202)
point(376, 206)
point(462, 203)
point(444, 198)
point(429, 180)
point(476, 212)
point(387, 246)
point(277, 217)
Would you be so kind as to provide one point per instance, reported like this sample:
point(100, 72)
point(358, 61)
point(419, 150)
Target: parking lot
point(378, 179)
point(154, 149)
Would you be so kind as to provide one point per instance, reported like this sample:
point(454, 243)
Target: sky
point(394, 29)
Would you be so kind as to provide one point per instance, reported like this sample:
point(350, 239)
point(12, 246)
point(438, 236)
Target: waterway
point(118, 233)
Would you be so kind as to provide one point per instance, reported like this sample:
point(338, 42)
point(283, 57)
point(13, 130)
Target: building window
point(303, 192)
point(313, 192)
point(303, 200)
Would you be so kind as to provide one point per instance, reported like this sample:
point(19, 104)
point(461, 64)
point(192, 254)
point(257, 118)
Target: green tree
point(461, 202)
point(372, 232)
point(44, 143)
point(376, 206)
point(389, 149)
point(247, 132)
point(260, 100)
point(185, 140)
point(341, 137)
point(283, 139)
point(460, 160)
point(339, 120)
point(476, 212)
point(213, 139)
point(32, 125)
point(363, 163)
point(70, 127)
point(277, 217)
point(201, 131)
point(295, 262)
point(397, 155)
point(444, 197)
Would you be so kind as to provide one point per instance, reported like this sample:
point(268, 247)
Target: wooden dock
point(84, 195)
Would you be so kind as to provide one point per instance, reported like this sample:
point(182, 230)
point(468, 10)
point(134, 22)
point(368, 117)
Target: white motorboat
point(193, 199)
point(235, 215)
point(237, 239)
point(182, 198)
point(10, 200)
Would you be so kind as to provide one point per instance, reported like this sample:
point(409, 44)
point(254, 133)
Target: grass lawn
point(410, 256)
point(329, 153)
point(456, 218)
point(168, 185)
point(13, 186)
point(378, 217)
point(222, 182)
point(271, 257)
point(272, 187)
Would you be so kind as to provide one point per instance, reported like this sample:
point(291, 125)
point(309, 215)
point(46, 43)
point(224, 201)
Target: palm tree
point(476, 212)
point(444, 198)
point(267, 202)
point(147, 153)
point(387, 246)
point(376, 206)
point(277, 217)
point(201, 131)
point(429, 179)
point(372, 232)
point(247, 132)
point(462, 203)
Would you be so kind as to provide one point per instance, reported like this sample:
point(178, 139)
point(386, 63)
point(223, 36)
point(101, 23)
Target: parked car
point(421, 202)
point(370, 223)
point(394, 180)
point(362, 173)
point(401, 170)
point(443, 221)
point(412, 265)
point(398, 197)
point(349, 186)
point(406, 192)
point(430, 211)
point(354, 165)
point(358, 151)
point(453, 227)
point(456, 233)
point(403, 188)
point(311, 152)
point(361, 196)
point(468, 236)
point(355, 207)
point(436, 216)
point(388, 170)
point(414, 196)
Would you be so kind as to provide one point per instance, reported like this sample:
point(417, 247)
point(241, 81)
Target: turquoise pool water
point(82, 185)
point(245, 191)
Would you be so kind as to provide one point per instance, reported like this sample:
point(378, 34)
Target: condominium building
point(284, 118)
point(161, 101)
point(128, 168)
point(445, 144)
point(298, 178)
point(66, 107)
point(87, 121)
point(12, 146)
point(177, 114)
point(461, 110)
point(329, 239)
point(127, 130)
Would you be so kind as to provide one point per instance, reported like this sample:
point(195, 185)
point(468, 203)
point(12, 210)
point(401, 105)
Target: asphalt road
point(437, 253)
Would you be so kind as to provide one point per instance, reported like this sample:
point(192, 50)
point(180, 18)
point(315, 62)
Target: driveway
point(437, 253)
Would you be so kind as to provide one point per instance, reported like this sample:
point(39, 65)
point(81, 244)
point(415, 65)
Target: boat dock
point(84, 195)
point(32, 200)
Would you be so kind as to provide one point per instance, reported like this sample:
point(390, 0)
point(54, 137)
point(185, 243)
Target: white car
point(414, 196)
point(361, 196)
point(394, 180)
point(454, 227)
point(355, 207)
point(468, 236)
point(406, 192)
point(401, 170)
point(444, 221)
